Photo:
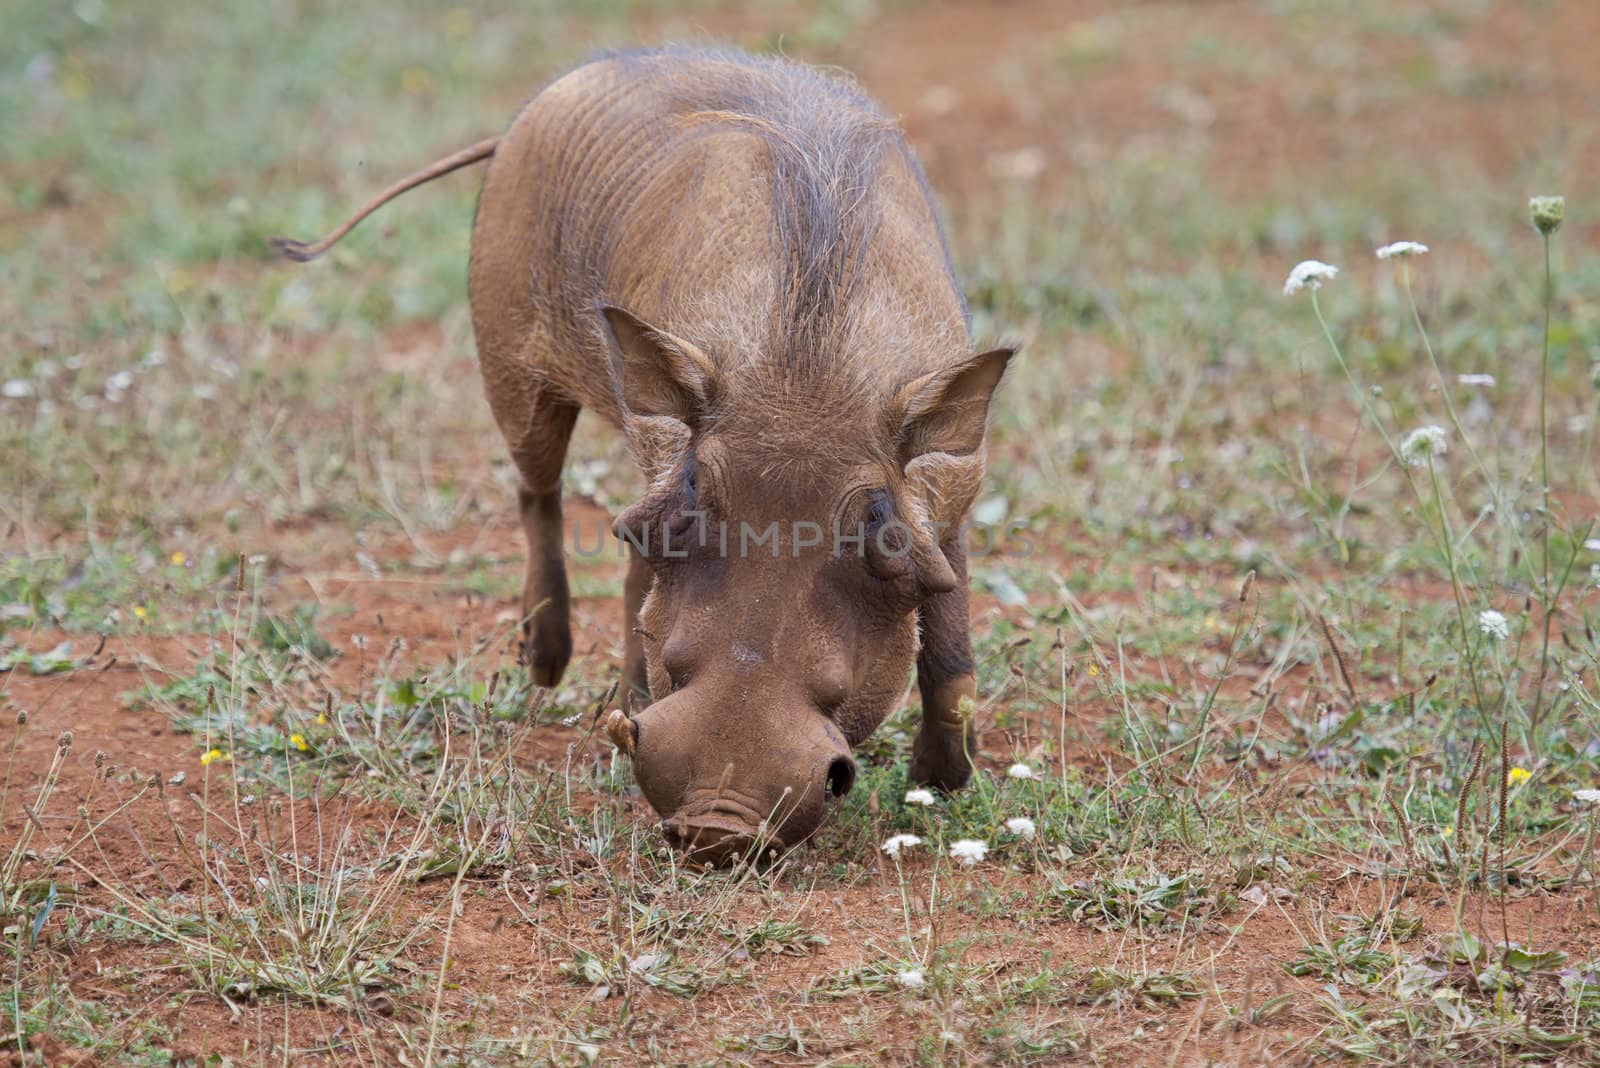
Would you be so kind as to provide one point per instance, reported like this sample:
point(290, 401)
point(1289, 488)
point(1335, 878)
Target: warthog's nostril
point(841, 776)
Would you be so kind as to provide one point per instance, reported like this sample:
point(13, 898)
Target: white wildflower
point(1309, 273)
point(1593, 545)
point(912, 979)
point(1023, 165)
point(969, 850)
point(1547, 213)
point(1475, 380)
point(1588, 797)
point(919, 797)
point(17, 388)
point(1020, 771)
point(894, 845)
point(940, 100)
point(119, 381)
point(1401, 248)
point(1424, 444)
point(1021, 825)
point(1493, 624)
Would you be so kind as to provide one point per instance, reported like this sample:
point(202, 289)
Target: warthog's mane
point(826, 144)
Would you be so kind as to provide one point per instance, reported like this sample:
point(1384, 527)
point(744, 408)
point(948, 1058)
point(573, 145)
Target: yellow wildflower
point(76, 85)
point(209, 755)
point(415, 80)
point(139, 612)
point(180, 558)
point(1094, 669)
point(458, 23)
point(299, 742)
point(1518, 776)
point(322, 720)
point(1448, 832)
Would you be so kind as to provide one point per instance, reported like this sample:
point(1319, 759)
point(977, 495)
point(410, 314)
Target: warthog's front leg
point(635, 679)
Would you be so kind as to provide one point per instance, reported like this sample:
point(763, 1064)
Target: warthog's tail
point(310, 250)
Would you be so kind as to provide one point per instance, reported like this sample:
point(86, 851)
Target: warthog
point(736, 260)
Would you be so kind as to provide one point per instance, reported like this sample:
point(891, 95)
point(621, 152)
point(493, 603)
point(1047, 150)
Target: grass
point(1293, 798)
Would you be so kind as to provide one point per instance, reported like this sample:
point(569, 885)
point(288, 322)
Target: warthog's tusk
point(620, 728)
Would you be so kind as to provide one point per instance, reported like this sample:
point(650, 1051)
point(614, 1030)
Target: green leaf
point(45, 909)
point(1524, 960)
point(53, 662)
point(1351, 722)
point(1467, 949)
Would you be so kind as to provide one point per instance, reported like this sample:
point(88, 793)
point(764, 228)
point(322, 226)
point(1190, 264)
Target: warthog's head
point(789, 548)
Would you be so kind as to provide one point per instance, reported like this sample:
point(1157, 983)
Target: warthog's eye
point(661, 527)
point(880, 509)
point(887, 546)
point(688, 497)
point(690, 480)
point(887, 535)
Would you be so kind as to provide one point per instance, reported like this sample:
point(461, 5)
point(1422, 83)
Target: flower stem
point(1547, 602)
point(1446, 536)
point(1363, 400)
point(1455, 585)
point(1444, 392)
point(1361, 397)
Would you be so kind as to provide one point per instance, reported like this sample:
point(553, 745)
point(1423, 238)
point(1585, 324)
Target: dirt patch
point(1032, 92)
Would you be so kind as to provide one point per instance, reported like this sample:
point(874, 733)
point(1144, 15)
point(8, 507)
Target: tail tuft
point(299, 251)
point(304, 251)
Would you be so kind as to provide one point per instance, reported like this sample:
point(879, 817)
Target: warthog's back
point(768, 213)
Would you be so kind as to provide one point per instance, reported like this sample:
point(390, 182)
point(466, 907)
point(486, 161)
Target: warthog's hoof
point(941, 753)
point(939, 758)
point(546, 650)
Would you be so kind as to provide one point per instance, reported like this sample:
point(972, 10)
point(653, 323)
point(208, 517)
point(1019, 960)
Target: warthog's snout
point(732, 785)
point(716, 840)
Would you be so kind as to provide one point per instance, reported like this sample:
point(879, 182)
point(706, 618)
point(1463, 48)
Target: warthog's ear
point(941, 419)
point(948, 410)
point(656, 373)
